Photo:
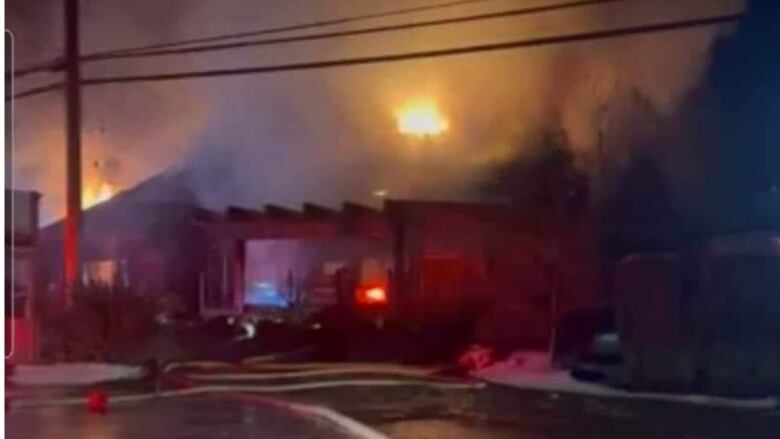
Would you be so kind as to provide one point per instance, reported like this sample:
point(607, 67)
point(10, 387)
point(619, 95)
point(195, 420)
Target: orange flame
point(97, 194)
point(421, 119)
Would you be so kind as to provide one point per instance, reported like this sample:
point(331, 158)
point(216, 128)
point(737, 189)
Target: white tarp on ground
point(531, 370)
point(64, 374)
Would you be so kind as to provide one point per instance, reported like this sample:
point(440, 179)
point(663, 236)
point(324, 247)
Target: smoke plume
point(330, 135)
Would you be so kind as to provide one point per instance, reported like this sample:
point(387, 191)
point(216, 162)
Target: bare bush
point(100, 322)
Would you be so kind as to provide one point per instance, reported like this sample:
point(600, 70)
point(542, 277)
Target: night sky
point(725, 149)
point(330, 135)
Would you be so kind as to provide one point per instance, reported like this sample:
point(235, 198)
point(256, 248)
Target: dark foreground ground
point(499, 412)
point(181, 418)
point(404, 412)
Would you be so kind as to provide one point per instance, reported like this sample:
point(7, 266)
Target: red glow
point(374, 295)
point(97, 401)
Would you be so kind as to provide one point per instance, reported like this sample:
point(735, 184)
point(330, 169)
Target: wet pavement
point(401, 412)
point(180, 418)
point(451, 429)
point(499, 412)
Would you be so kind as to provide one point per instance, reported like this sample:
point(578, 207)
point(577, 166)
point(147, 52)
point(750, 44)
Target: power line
point(57, 64)
point(298, 26)
point(535, 42)
point(353, 32)
point(36, 91)
point(49, 66)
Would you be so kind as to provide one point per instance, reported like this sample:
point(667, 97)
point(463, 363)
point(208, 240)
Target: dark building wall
point(146, 248)
point(656, 322)
point(705, 321)
point(441, 258)
point(739, 316)
point(515, 280)
point(459, 271)
point(521, 285)
point(539, 277)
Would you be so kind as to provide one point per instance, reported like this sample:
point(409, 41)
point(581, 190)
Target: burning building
point(419, 263)
point(141, 240)
point(423, 263)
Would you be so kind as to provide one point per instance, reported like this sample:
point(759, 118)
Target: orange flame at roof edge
point(96, 194)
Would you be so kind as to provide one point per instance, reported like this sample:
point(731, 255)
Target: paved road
point(181, 418)
point(495, 412)
point(404, 412)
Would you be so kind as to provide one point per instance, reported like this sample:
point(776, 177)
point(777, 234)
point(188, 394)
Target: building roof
point(149, 208)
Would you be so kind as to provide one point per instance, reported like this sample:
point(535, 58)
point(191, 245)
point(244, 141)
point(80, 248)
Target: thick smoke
point(327, 136)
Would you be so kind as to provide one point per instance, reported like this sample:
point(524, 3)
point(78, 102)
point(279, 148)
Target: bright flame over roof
point(421, 119)
point(96, 195)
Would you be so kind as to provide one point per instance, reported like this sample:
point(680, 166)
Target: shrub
point(100, 322)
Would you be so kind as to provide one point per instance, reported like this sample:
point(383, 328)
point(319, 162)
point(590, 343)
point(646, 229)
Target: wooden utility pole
point(72, 247)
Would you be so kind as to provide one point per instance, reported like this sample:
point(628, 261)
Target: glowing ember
point(96, 195)
point(421, 119)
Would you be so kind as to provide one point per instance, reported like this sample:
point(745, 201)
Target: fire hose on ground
point(413, 376)
point(396, 371)
point(251, 361)
point(268, 389)
point(350, 425)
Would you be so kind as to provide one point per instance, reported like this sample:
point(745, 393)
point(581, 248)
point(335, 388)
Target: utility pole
point(72, 247)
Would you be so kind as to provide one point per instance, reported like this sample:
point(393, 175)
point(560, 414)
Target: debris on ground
point(476, 358)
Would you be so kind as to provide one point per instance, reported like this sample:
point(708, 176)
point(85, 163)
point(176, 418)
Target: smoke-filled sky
point(330, 135)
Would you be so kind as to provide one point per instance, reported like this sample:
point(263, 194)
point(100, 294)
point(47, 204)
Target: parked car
point(602, 362)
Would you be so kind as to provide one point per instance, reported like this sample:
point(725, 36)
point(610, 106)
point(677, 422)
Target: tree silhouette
point(542, 180)
point(638, 214)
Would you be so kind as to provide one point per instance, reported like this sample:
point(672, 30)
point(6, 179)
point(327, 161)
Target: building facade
point(481, 268)
point(472, 267)
point(21, 234)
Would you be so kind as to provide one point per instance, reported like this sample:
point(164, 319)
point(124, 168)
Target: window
point(108, 273)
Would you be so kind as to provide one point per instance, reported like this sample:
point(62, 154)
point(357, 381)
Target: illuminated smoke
point(421, 119)
point(326, 136)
